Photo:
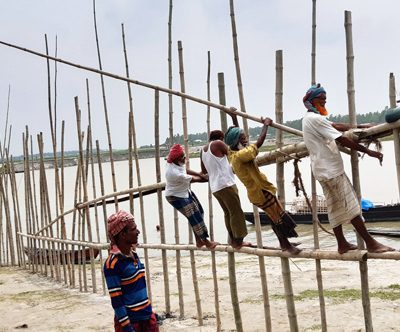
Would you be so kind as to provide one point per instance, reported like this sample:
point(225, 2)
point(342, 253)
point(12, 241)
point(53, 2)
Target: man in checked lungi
point(181, 197)
point(320, 137)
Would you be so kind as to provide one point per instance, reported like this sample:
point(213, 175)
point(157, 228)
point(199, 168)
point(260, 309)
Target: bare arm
point(358, 147)
point(263, 134)
point(346, 126)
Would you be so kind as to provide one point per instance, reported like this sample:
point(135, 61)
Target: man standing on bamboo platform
point(214, 161)
point(260, 191)
point(125, 277)
point(178, 194)
point(320, 137)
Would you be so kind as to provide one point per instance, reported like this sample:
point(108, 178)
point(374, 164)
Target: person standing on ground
point(178, 194)
point(320, 137)
point(214, 162)
point(125, 277)
point(260, 191)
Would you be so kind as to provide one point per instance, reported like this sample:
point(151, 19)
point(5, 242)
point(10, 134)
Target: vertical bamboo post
point(396, 131)
point(171, 142)
point(318, 268)
point(138, 175)
point(289, 295)
point(159, 197)
point(237, 65)
point(186, 142)
point(102, 190)
point(222, 101)
point(354, 163)
point(85, 195)
point(105, 107)
point(4, 194)
point(210, 209)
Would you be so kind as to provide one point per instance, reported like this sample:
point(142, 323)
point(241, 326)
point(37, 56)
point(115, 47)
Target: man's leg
point(370, 242)
point(343, 244)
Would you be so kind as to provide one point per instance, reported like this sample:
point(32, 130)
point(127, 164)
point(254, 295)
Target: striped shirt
point(126, 283)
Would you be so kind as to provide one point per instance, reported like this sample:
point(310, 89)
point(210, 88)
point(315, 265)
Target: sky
point(202, 25)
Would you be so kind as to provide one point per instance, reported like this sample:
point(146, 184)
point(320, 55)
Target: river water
point(378, 184)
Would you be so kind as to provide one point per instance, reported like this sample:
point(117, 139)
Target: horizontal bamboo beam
point(354, 255)
point(155, 87)
point(79, 206)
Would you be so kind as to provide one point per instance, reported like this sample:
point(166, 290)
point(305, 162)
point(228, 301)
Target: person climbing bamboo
point(320, 137)
point(181, 197)
point(260, 191)
point(214, 162)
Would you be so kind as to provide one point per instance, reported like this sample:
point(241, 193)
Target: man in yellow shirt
point(260, 191)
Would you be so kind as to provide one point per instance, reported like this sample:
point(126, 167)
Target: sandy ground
point(43, 305)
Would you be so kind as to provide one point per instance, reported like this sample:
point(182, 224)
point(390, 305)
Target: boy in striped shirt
point(125, 277)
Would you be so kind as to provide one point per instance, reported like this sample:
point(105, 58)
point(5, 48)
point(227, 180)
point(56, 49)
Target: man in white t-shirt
point(320, 137)
point(179, 195)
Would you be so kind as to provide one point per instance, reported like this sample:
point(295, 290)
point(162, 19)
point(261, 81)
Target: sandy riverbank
point(43, 305)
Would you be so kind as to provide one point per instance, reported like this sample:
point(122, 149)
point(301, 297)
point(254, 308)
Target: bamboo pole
point(154, 87)
point(222, 101)
point(138, 175)
point(354, 163)
point(187, 161)
point(210, 210)
point(159, 199)
point(110, 151)
point(318, 268)
point(289, 295)
point(85, 195)
point(171, 142)
point(237, 65)
point(396, 132)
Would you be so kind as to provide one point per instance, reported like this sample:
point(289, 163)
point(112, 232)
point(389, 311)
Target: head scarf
point(175, 152)
point(232, 136)
point(313, 92)
point(117, 222)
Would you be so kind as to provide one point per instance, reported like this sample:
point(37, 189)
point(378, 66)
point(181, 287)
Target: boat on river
point(302, 215)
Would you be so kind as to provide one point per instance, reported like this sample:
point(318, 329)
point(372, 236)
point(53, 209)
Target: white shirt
point(177, 181)
point(319, 136)
point(220, 174)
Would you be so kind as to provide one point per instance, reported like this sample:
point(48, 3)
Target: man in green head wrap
point(260, 191)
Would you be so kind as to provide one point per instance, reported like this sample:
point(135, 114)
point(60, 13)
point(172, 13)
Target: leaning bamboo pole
point(159, 200)
point(318, 268)
point(210, 210)
point(222, 101)
point(154, 87)
point(187, 161)
point(237, 65)
point(138, 173)
point(354, 166)
point(110, 151)
point(396, 132)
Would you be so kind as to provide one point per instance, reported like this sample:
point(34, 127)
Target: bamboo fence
point(52, 252)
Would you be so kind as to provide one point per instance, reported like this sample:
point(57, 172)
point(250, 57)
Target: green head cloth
point(232, 136)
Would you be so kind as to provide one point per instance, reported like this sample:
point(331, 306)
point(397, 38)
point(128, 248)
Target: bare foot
point(238, 245)
point(199, 243)
point(346, 247)
point(210, 244)
point(292, 249)
point(379, 248)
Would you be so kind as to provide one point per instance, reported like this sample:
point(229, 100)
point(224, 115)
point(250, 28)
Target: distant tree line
point(371, 117)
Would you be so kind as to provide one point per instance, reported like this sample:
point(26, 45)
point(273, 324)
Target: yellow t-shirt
point(245, 168)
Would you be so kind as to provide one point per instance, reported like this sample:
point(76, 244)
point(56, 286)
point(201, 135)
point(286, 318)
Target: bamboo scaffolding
point(159, 200)
point(187, 161)
point(354, 165)
point(210, 211)
point(154, 87)
point(110, 151)
point(222, 101)
point(318, 268)
point(132, 138)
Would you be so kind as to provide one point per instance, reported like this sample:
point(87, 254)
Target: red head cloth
point(117, 222)
point(175, 153)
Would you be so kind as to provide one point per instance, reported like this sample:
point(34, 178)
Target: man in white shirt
point(320, 137)
point(179, 195)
